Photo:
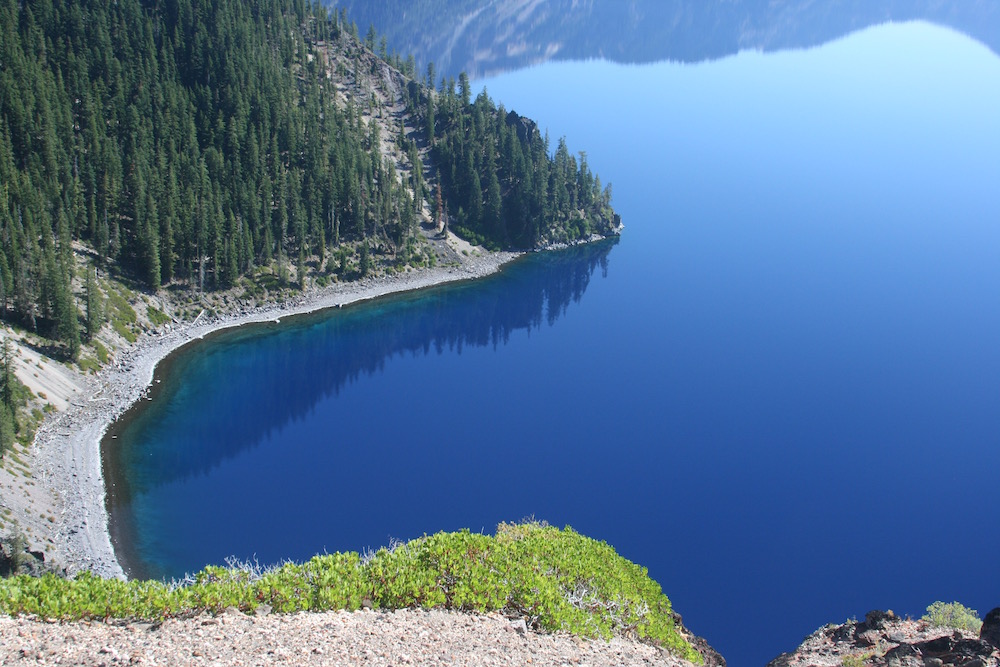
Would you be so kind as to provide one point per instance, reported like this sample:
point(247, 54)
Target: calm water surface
point(780, 391)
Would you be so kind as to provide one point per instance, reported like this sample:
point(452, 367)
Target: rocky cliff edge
point(883, 639)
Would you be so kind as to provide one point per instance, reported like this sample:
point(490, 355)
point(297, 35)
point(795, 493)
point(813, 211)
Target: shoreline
point(66, 453)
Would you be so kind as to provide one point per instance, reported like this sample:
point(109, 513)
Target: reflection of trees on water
point(254, 381)
point(485, 38)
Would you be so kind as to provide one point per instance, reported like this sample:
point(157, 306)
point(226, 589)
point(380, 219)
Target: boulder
point(904, 655)
point(957, 650)
point(524, 127)
point(990, 632)
point(876, 619)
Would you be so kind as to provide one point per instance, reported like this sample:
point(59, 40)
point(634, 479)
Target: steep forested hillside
point(531, 199)
point(254, 145)
point(181, 140)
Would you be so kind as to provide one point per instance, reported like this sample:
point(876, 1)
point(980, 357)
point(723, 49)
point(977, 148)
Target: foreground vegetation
point(953, 615)
point(555, 579)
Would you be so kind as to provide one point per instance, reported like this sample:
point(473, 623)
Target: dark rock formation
point(957, 649)
point(525, 127)
point(877, 620)
point(990, 632)
point(885, 640)
point(711, 656)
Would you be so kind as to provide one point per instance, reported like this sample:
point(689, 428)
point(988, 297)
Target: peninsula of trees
point(207, 144)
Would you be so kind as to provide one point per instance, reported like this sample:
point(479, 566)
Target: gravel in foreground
point(405, 637)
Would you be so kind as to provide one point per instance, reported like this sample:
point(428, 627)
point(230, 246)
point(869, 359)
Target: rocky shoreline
point(66, 459)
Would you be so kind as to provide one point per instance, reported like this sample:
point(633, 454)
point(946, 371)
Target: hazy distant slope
point(484, 36)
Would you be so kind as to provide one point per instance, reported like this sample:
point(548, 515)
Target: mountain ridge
point(487, 37)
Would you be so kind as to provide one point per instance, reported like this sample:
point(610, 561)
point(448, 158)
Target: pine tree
point(300, 269)
point(6, 374)
point(493, 221)
point(95, 307)
point(8, 429)
point(364, 261)
point(67, 325)
point(430, 119)
point(8, 408)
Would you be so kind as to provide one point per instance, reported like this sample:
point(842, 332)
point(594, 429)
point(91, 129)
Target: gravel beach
point(406, 637)
point(65, 461)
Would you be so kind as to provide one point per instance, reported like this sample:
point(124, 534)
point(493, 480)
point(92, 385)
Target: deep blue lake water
point(780, 391)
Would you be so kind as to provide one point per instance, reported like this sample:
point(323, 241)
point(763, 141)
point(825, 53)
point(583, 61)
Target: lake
point(780, 391)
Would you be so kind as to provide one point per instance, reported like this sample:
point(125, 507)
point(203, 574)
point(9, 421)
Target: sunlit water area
point(780, 391)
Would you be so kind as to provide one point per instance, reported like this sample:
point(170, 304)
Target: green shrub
point(87, 364)
point(122, 329)
point(953, 615)
point(156, 316)
point(556, 579)
point(120, 303)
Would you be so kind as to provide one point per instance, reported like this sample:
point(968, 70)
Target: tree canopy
point(191, 141)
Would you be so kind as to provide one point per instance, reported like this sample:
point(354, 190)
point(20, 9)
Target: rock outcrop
point(885, 640)
point(711, 657)
point(990, 632)
point(17, 558)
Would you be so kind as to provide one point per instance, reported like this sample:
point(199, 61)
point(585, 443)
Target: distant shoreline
point(67, 448)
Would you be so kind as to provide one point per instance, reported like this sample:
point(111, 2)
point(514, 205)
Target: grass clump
point(157, 316)
point(122, 330)
point(953, 615)
point(122, 315)
point(558, 580)
point(122, 309)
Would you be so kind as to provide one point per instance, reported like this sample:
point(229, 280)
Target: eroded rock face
point(525, 127)
point(885, 640)
point(990, 631)
point(711, 657)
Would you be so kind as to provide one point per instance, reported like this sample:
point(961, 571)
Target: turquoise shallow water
point(778, 391)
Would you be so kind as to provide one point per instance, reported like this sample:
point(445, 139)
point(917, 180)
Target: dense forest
point(530, 198)
point(195, 144)
point(190, 141)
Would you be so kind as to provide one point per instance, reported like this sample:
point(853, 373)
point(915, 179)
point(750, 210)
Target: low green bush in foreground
point(953, 615)
point(556, 579)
